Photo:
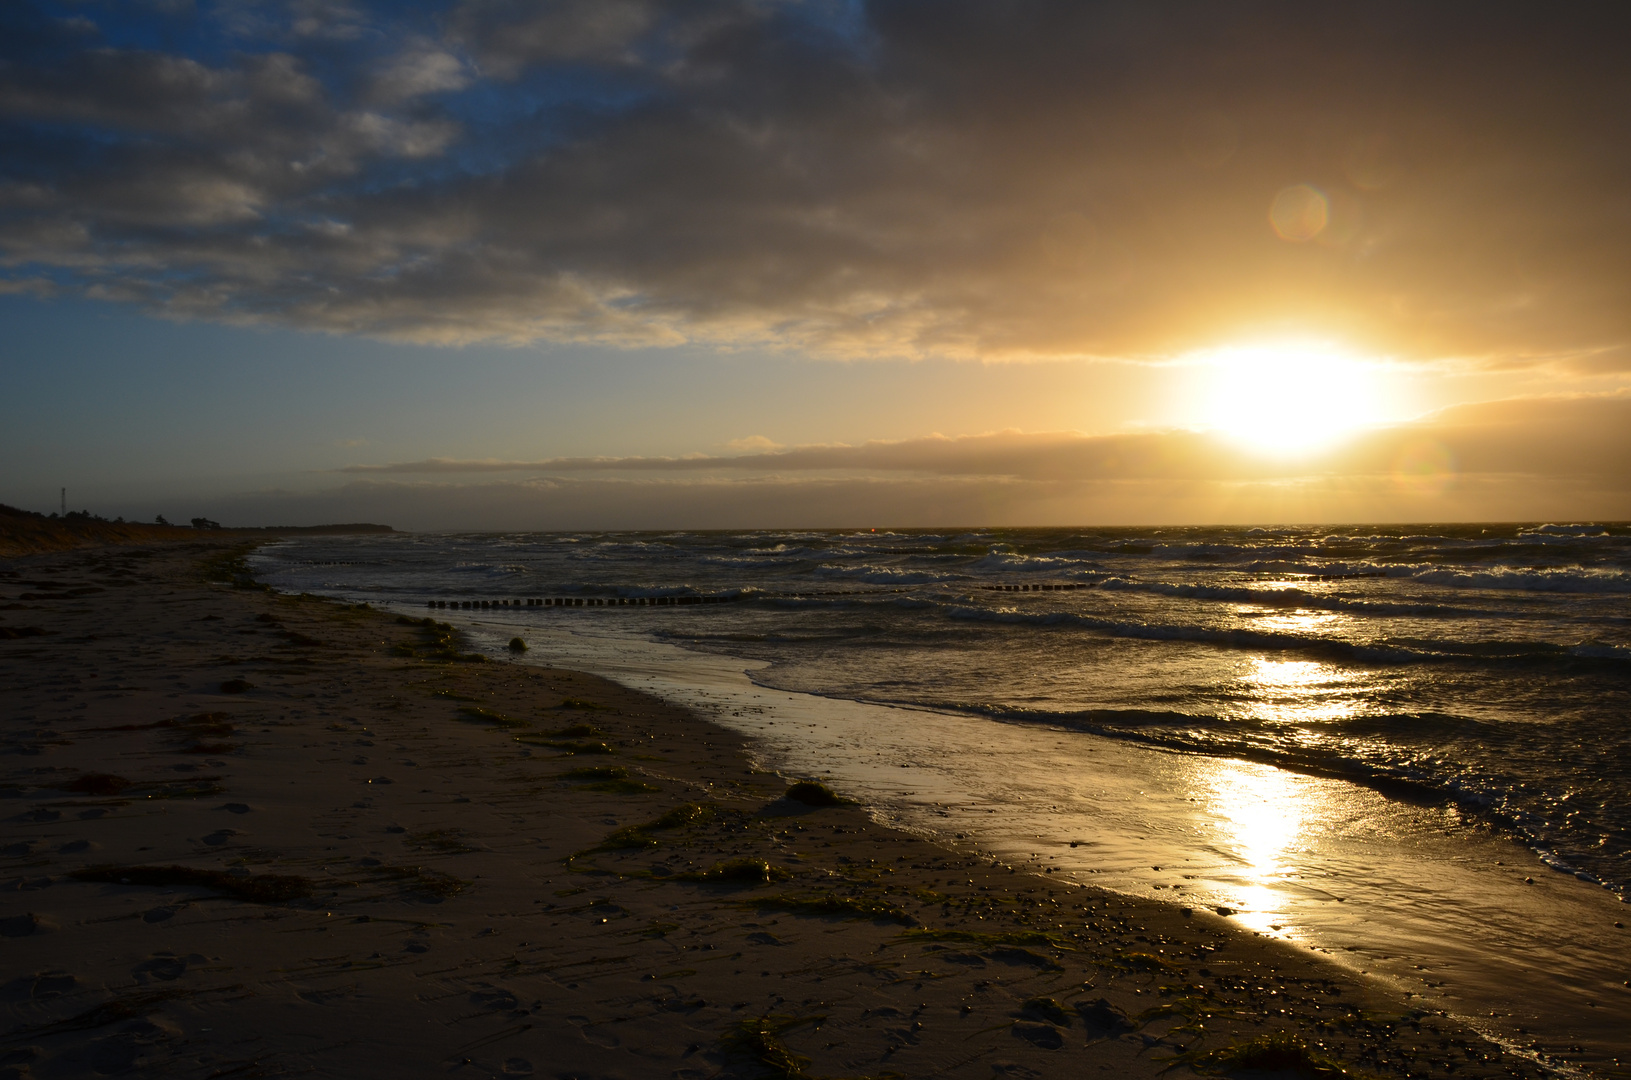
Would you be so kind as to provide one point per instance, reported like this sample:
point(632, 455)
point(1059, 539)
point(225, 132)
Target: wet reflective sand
point(1460, 919)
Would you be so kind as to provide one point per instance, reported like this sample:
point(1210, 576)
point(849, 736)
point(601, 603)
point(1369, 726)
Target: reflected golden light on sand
point(1264, 812)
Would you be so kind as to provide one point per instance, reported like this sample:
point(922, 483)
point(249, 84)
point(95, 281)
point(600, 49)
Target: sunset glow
point(1288, 398)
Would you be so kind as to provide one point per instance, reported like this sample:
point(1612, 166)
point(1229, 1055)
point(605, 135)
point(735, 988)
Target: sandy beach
point(248, 834)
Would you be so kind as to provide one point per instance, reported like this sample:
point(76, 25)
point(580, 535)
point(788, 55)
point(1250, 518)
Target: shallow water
point(1409, 893)
point(1197, 749)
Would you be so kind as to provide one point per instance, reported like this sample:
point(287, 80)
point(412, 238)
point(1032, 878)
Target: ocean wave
point(881, 575)
point(1385, 652)
point(1291, 597)
point(1569, 580)
point(1588, 529)
point(1054, 563)
point(489, 570)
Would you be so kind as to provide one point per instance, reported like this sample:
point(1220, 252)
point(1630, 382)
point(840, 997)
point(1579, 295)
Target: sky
point(486, 264)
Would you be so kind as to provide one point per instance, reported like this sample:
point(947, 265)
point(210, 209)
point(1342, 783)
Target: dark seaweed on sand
point(640, 836)
point(814, 793)
point(1281, 1052)
point(614, 779)
point(256, 888)
point(747, 871)
point(835, 907)
point(759, 1040)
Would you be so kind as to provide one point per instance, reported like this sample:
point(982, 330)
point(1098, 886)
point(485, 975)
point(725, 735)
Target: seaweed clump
point(609, 778)
point(475, 714)
point(1278, 1052)
point(255, 888)
point(639, 836)
point(814, 793)
point(748, 871)
point(759, 1040)
point(835, 907)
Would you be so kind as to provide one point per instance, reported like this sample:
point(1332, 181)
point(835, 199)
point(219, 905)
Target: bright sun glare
point(1287, 398)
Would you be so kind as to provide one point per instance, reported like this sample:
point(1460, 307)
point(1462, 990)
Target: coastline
point(454, 897)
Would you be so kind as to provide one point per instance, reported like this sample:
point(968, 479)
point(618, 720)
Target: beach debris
point(517, 645)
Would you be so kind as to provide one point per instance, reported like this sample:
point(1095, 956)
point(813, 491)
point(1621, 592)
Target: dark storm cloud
point(884, 178)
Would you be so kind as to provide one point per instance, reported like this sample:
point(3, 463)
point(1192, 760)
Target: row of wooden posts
point(578, 601)
point(670, 601)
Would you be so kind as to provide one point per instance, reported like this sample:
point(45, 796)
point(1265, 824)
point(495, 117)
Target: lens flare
point(1423, 468)
point(1299, 212)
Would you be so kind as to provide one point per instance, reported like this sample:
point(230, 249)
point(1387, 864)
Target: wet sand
point(247, 834)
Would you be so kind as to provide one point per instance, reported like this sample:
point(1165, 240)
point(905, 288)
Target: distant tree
point(205, 523)
point(158, 519)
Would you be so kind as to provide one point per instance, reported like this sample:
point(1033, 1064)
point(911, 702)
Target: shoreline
point(1451, 915)
point(550, 907)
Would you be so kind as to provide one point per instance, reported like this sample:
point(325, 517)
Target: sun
point(1286, 398)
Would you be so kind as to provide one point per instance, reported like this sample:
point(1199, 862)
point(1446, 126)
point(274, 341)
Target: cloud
point(895, 178)
point(753, 442)
point(1576, 435)
point(421, 69)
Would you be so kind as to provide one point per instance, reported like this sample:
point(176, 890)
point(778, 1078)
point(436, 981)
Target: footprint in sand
point(165, 967)
point(41, 986)
point(24, 925)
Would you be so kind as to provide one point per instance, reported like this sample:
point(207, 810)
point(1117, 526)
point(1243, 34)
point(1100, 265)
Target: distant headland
point(24, 532)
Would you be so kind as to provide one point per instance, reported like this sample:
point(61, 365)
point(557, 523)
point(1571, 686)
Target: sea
point(1406, 747)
